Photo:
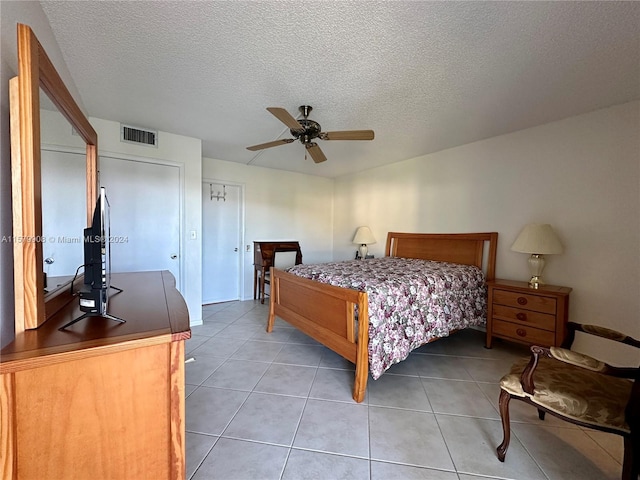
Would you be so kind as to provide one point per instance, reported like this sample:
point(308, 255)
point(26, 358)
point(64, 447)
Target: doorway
point(221, 241)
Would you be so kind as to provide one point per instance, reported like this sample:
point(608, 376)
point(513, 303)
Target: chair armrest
point(526, 379)
point(573, 358)
point(577, 359)
point(598, 331)
point(589, 363)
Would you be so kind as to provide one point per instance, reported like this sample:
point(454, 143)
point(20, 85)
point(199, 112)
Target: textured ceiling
point(424, 75)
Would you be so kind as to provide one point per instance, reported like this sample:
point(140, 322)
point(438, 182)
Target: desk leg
point(255, 282)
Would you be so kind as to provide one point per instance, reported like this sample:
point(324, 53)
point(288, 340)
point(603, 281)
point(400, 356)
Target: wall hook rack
point(218, 195)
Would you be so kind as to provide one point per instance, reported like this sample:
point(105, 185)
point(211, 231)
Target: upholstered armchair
point(579, 389)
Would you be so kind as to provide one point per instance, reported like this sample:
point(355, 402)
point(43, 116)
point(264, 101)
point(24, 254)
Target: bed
point(338, 317)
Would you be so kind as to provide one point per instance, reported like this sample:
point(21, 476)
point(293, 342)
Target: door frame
point(181, 199)
point(241, 233)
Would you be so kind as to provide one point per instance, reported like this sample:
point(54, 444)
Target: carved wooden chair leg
point(255, 283)
point(635, 456)
point(631, 460)
point(627, 460)
point(631, 463)
point(506, 429)
point(541, 414)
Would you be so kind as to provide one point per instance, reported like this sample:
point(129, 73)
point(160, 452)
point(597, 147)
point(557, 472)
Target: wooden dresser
point(100, 399)
point(523, 314)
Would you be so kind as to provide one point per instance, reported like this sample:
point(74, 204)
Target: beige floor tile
point(564, 453)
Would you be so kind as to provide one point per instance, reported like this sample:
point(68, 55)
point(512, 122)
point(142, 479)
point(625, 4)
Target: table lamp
point(363, 237)
point(538, 240)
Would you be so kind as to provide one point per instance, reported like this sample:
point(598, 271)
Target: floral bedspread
point(410, 301)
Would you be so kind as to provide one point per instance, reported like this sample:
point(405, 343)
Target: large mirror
point(63, 188)
point(36, 73)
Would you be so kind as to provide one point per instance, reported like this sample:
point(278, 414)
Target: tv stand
point(95, 314)
point(92, 314)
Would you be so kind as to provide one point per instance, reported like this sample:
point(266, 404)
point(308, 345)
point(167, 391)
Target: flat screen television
point(94, 295)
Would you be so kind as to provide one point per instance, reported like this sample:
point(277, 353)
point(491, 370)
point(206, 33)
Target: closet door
point(144, 199)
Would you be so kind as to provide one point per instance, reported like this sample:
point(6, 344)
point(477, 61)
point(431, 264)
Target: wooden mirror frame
point(36, 71)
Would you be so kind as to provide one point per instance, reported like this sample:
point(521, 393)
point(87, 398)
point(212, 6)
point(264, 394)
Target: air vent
point(138, 135)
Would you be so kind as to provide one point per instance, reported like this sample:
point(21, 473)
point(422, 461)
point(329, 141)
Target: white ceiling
point(425, 76)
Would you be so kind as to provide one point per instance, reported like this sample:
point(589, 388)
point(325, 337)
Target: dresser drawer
point(523, 333)
point(525, 317)
point(533, 302)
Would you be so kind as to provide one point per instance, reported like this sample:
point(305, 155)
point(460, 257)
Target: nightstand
point(528, 315)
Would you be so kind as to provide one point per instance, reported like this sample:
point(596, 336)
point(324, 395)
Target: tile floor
point(278, 406)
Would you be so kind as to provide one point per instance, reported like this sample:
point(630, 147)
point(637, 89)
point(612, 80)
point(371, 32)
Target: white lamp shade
point(364, 236)
point(537, 238)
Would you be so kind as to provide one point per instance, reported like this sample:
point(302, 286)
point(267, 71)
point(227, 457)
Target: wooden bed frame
point(327, 313)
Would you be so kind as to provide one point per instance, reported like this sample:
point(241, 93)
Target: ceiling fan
point(307, 130)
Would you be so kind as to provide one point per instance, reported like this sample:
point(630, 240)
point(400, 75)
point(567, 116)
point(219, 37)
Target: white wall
point(580, 174)
point(280, 206)
point(187, 153)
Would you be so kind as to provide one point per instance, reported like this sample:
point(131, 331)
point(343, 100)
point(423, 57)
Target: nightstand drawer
point(523, 333)
point(525, 317)
point(527, 301)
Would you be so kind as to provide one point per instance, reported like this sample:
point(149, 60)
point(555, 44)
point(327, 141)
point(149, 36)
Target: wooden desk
point(100, 399)
point(263, 260)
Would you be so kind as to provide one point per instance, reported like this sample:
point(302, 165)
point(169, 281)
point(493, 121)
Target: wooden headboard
point(463, 248)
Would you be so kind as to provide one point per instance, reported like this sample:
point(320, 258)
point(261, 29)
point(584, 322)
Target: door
point(221, 242)
point(144, 201)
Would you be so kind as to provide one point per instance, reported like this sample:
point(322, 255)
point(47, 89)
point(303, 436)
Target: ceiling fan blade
point(275, 143)
point(348, 135)
point(315, 152)
point(285, 117)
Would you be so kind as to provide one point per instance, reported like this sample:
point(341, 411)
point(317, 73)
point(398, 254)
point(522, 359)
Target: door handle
point(174, 256)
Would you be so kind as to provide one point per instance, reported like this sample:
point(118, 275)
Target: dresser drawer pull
point(522, 301)
point(522, 332)
point(521, 316)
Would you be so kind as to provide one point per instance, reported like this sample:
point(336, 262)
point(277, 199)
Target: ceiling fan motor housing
point(310, 131)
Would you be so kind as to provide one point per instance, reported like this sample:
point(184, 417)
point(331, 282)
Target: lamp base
point(536, 282)
point(536, 266)
point(363, 250)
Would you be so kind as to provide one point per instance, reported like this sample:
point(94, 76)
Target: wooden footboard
point(327, 314)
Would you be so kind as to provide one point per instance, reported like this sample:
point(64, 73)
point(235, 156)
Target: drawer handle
point(521, 316)
point(522, 301)
point(522, 332)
